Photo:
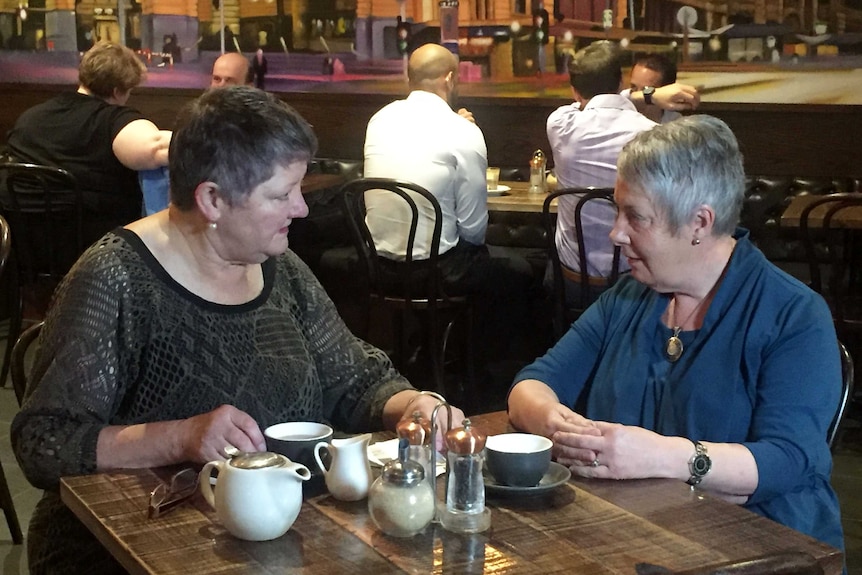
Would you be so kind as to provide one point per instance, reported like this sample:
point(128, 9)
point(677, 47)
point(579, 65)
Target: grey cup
point(518, 459)
point(296, 440)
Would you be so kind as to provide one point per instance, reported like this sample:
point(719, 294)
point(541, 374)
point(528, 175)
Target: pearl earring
point(695, 242)
point(213, 225)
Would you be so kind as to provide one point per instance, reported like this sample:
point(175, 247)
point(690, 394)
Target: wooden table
point(316, 182)
point(518, 199)
point(850, 217)
point(596, 526)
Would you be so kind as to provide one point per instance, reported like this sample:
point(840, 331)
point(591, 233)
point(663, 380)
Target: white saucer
point(498, 191)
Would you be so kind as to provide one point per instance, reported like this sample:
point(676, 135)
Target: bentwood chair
point(589, 287)
point(412, 288)
point(44, 209)
point(846, 394)
point(843, 244)
point(19, 370)
point(6, 502)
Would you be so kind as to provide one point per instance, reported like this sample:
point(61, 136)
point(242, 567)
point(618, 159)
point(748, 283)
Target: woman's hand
point(207, 435)
point(404, 403)
point(617, 452)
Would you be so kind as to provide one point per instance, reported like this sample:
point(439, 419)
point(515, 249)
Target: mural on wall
point(793, 51)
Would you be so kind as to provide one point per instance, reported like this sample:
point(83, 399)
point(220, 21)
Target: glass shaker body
point(465, 492)
point(401, 510)
point(417, 430)
point(538, 164)
point(465, 510)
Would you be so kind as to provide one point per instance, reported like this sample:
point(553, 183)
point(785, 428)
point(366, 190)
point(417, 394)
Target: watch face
point(700, 465)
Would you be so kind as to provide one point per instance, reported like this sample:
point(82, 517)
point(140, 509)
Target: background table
point(583, 526)
point(518, 199)
point(850, 217)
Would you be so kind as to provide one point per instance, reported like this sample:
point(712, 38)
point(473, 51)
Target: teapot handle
point(322, 445)
point(204, 480)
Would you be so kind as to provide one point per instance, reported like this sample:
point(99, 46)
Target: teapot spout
point(297, 471)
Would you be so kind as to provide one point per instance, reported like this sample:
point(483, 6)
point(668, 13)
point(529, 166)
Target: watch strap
point(648, 92)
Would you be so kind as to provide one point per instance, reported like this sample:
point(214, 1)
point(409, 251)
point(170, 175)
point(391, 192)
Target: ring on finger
point(595, 462)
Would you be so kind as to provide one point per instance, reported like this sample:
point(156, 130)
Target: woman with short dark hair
point(186, 333)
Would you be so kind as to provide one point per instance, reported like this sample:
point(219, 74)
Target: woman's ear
point(209, 200)
point(704, 220)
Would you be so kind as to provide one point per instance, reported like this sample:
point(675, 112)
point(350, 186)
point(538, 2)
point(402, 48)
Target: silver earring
point(213, 225)
point(695, 242)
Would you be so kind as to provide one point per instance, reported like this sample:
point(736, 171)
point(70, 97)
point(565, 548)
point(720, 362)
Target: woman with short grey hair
point(706, 363)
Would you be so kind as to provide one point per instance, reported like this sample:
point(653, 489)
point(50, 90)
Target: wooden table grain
point(850, 217)
point(603, 527)
point(518, 199)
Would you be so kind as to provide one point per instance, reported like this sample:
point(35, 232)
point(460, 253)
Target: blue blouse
point(763, 371)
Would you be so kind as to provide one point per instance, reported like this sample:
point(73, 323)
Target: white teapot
point(257, 496)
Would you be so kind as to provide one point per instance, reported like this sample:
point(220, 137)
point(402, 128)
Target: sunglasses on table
point(167, 496)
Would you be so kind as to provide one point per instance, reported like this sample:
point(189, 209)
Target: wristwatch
point(699, 464)
point(648, 92)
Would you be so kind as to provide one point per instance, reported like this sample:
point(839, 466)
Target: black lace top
point(124, 343)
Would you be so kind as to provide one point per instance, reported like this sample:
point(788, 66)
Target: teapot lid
point(257, 460)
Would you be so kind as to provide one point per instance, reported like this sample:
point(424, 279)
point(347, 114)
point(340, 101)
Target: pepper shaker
point(465, 510)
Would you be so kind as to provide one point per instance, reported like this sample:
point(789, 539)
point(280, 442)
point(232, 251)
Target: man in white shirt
point(422, 140)
point(586, 138)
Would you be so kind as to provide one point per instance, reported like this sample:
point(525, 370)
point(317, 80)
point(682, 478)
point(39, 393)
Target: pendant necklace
point(674, 348)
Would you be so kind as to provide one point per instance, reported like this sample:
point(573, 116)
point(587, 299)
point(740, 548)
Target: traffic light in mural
point(402, 35)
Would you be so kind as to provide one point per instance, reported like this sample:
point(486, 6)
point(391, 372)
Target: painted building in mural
point(368, 27)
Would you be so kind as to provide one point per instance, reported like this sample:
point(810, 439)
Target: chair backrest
point(585, 195)
point(846, 394)
point(5, 243)
point(843, 288)
point(44, 209)
point(411, 279)
point(19, 365)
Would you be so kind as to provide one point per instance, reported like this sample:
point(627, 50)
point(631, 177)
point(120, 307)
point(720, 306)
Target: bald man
point(421, 139)
point(231, 69)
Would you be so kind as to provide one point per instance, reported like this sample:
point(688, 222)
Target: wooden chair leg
point(9, 510)
point(15, 320)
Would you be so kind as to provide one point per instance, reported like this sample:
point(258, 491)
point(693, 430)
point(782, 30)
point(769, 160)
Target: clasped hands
point(600, 449)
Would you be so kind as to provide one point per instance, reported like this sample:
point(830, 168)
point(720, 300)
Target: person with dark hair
point(95, 136)
point(706, 363)
point(651, 71)
point(586, 138)
point(182, 335)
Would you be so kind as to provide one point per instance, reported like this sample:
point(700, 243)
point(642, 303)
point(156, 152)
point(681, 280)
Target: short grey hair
point(686, 163)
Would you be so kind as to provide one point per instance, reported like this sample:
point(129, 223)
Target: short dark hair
point(235, 137)
point(596, 69)
point(659, 63)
